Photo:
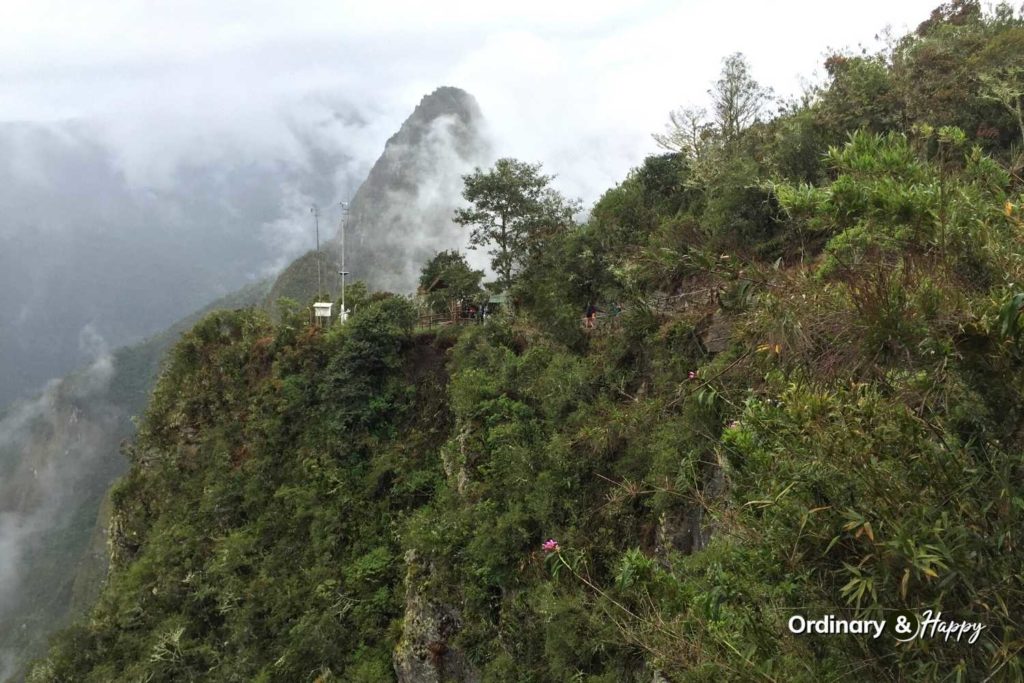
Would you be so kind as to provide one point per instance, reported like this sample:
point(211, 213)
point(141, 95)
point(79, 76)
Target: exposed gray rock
point(454, 459)
point(681, 531)
point(425, 653)
point(402, 214)
point(685, 530)
point(718, 331)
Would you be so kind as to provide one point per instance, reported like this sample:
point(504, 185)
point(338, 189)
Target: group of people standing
point(480, 313)
point(477, 313)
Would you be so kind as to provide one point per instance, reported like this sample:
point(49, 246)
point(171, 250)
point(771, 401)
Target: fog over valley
point(82, 242)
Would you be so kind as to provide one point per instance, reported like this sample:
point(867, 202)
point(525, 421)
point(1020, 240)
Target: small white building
point(322, 311)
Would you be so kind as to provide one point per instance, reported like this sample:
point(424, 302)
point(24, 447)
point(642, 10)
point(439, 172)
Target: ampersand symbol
point(902, 625)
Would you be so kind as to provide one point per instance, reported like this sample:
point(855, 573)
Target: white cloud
point(578, 85)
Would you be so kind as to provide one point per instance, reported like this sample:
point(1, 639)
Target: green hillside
point(802, 396)
point(299, 281)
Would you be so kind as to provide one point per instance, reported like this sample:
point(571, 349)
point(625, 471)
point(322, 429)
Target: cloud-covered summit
point(402, 213)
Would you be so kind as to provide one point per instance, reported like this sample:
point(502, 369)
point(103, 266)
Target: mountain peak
point(445, 101)
point(402, 213)
point(448, 100)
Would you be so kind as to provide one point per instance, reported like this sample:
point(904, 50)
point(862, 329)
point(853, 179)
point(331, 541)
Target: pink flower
point(550, 546)
point(692, 374)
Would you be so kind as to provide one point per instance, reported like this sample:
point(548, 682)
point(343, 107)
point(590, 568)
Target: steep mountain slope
point(299, 281)
point(59, 454)
point(371, 503)
point(402, 214)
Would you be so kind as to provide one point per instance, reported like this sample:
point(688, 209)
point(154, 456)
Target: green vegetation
point(810, 403)
point(513, 211)
point(298, 281)
point(446, 278)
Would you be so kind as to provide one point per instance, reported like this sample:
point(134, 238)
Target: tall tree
point(448, 277)
point(737, 98)
point(512, 211)
point(689, 132)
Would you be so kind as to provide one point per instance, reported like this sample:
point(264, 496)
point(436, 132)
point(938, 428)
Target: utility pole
point(316, 221)
point(343, 272)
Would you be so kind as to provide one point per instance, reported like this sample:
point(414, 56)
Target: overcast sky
point(578, 85)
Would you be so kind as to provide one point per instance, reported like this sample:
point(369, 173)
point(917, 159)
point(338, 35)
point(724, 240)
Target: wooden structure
point(458, 311)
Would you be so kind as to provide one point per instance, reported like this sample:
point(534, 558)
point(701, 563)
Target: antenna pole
point(316, 221)
point(344, 220)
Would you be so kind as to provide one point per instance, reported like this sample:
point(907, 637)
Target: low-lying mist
point(87, 238)
point(53, 452)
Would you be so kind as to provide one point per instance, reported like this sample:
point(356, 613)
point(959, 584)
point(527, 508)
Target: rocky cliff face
point(425, 653)
point(402, 214)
